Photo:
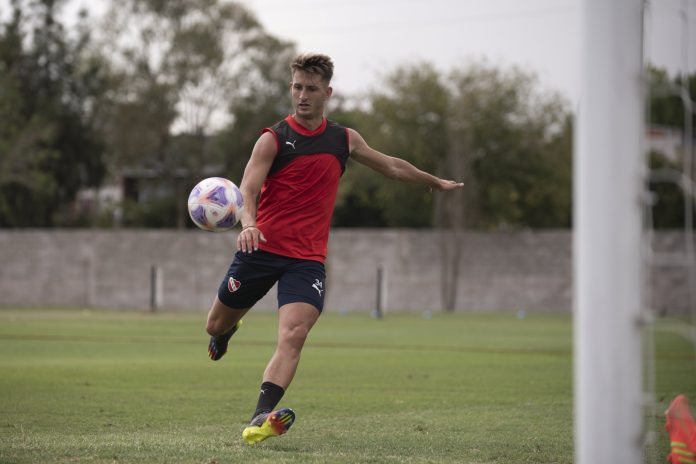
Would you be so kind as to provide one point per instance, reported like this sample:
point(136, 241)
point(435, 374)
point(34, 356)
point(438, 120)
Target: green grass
point(105, 387)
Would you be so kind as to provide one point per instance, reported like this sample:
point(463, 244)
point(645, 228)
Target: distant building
point(138, 186)
point(669, 141)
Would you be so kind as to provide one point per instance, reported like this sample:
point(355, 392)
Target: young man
point(293, 174)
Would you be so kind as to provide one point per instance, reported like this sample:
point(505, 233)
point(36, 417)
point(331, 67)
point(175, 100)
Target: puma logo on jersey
point(318, 286)
point(292, 144)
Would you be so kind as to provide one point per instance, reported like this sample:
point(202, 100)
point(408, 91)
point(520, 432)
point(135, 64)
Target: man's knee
point(222, 318)
point(295, 335)
point(213, 327)
point(296, 320)
point(213, 323)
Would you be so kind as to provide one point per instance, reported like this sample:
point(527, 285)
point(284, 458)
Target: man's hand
point(248, 239)
point(443, 184)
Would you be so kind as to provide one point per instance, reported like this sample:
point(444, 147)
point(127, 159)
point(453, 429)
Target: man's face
point(309, 94)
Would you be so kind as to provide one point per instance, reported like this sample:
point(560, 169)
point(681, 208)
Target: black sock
point(268, 398)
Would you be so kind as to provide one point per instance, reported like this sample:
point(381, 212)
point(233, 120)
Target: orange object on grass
point(682, 432)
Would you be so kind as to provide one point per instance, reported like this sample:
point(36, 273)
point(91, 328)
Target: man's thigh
point(248, 279)
point(303, 281)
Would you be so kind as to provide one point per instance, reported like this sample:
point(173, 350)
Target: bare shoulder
point(356, 143)
point(266, 145)
point(361, 152)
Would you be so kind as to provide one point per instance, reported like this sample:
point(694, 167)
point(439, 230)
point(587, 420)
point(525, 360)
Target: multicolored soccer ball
point(215, 204)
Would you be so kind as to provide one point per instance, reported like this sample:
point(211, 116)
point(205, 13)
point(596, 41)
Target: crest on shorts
point(233, 285)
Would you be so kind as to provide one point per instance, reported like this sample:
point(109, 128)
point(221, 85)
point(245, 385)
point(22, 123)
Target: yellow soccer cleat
point(268, 425)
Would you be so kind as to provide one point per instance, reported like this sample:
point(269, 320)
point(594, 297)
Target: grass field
point(113, 387)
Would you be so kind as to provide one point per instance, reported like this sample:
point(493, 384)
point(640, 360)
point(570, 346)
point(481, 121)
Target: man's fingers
point(448, 185)
point(248, 239)
point(451, 184)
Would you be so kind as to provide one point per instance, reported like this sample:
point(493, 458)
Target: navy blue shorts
point(251, 276)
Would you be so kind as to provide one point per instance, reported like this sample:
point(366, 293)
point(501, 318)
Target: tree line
point(160, 94)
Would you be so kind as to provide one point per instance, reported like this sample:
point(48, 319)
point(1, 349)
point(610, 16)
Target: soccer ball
point(215, 204)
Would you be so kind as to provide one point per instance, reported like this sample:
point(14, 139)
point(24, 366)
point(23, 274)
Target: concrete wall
point(498, 271)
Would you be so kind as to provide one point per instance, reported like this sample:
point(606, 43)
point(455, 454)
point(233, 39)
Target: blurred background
point(111, 111)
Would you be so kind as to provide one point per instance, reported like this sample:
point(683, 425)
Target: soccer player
point(289, 188)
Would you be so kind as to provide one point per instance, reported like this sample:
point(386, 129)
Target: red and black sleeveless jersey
point(298, 196)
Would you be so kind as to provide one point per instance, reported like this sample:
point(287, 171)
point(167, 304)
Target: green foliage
point(487, 127)
point(667, 109)
point(668, 208)
point(666, 106)
point(169, 92)
point(154, 213)
point(173, 91)
point(49, 147)
point(407, 119)
point(516, 143)
point(193, 77)
point(260, 105)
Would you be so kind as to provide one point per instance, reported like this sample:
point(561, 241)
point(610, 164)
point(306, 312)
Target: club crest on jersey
point(233, 285)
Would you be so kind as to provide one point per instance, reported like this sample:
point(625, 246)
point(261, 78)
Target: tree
point(357, 204)
point(512, 148)
point(666, 105)
point(491, 128)
point(516, 148)
point(49, 145)
point(406, 119)
point(259, 105)
point(182, 64)
point(668, 209)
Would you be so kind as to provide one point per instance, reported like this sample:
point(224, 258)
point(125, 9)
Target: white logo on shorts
point(233, 285)
point(318, 286)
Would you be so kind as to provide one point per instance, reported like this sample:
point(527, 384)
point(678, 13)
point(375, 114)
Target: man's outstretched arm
point(392, 167)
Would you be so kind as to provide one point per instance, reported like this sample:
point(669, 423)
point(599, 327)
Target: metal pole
point(378, 303)
point(609, 172)
point(154, 278)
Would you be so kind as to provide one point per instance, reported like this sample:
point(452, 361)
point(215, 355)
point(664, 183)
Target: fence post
point(155, 288)
point(378, 313)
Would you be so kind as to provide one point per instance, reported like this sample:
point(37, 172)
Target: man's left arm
point(392, 167)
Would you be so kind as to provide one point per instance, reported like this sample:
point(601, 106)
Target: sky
point(369, 38)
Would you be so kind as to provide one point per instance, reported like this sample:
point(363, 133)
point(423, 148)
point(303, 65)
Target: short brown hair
point(314, 63)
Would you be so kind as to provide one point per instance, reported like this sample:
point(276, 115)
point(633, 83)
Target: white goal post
point(609, 172)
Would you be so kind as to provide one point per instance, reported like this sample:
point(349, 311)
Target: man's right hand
point(248, 239)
